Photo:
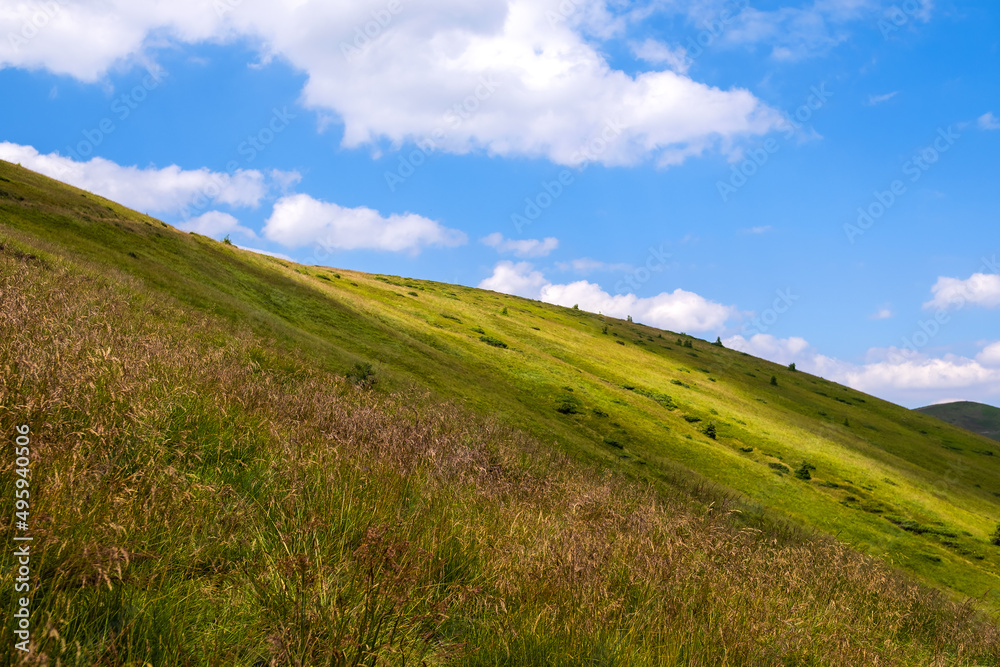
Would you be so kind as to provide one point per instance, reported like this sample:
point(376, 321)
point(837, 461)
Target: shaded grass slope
point(976, 417)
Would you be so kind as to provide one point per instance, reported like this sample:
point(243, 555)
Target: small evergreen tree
point(774, 381)
point(718, 342)
point(996, 536)
point(791, 366)
point(710, 430)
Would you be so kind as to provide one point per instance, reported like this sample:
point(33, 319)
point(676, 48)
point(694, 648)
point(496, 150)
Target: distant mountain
point(976, 417)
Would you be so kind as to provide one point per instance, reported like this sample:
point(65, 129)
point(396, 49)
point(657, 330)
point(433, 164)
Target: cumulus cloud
point(216, 224)
point(988, 121)
point(522, 247)
point(981, 289)
point(990, 355)
point(882, 314)
point(898, 375)
point(498, 75)
point(148, 189)
point(679, 310)
point(299, 220)
point(520, 279)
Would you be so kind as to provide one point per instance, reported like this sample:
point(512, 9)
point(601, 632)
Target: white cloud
point(523, 247)
point(898, 375)
point(496, 76)
point(981, 289)
point(585, 265)
point(990, 355)
point(266, 252)
point(658, 53)
point(83, 39)
point(988, 121)
point(874, 100)
point(149, 190)
point(520, 279)
point(793, 33)
point(299, 220)
point(779, 350)
point(761, 229)
point(216, 224)
point(679, 310)
point(882, 314)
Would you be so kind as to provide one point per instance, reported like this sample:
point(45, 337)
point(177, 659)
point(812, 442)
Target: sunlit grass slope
point(215, 484)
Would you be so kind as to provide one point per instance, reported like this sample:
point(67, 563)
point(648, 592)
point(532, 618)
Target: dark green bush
point(489, 340)
point(569, 405)
point(362, 375)
point(802, 472)
point(709, 430)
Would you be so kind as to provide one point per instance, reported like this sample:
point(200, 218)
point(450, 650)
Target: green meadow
point(238, 459)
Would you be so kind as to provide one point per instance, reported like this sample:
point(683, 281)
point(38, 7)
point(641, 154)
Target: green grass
point(247, 459)
point(975, 417)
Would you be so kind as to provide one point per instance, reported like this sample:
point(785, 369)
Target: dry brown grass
point(200, 498)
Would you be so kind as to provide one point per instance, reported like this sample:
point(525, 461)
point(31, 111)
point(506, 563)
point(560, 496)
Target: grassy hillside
point(976, 417)
point(217, 478)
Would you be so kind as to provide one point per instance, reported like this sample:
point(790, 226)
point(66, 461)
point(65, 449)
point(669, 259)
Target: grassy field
point(218, 476)
point(975, 417)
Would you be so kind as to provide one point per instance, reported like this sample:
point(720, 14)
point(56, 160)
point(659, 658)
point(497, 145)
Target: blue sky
point(811, 181)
